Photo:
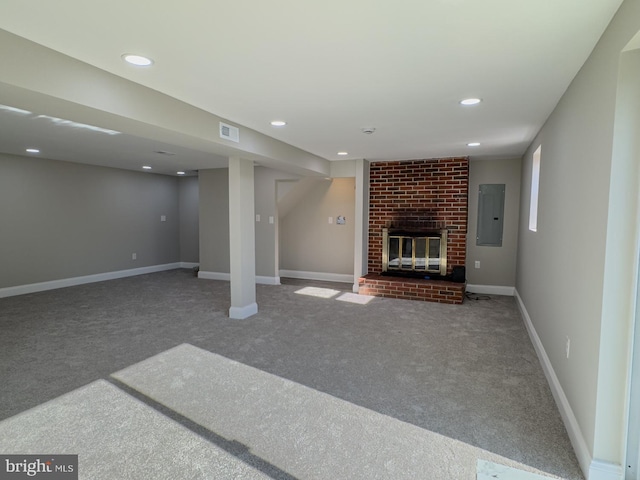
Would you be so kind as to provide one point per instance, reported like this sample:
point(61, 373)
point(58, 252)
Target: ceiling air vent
point(229, 132)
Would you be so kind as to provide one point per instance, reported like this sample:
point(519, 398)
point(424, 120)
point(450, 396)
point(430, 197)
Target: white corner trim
point(240, 313)
point(491, 290)
point(601, 470)
point(566, 412)
point(267, 280)
point(327, 277)
point(71, 282)
point(214, 276)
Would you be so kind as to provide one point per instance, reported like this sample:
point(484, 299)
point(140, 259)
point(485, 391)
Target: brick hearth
point(423, 194)
point(440, 291)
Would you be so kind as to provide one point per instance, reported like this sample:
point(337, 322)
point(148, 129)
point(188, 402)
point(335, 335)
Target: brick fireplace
point(421, 198)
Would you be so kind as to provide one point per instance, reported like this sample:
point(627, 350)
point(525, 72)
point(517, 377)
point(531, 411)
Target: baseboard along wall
point(226, 277)
point(327, 277)
point(98, 277)
point(491, 290)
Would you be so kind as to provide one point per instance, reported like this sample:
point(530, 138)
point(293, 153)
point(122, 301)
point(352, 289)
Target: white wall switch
point(134, 256)
point(330, 220)
point(271, 219)
point(257, 217)
point(163, 218)
point(477, 264)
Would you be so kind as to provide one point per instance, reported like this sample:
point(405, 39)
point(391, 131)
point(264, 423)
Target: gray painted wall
point(308, 242)
point(563, 279)
point(213, 187)
point(266, 206)
point(63, 220)
point(214, 220)
point(497, 264)
point(188, 201)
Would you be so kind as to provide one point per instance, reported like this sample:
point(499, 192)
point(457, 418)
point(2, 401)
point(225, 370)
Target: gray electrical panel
point(490, 215)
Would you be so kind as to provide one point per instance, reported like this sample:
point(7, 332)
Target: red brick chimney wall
point(422, 194)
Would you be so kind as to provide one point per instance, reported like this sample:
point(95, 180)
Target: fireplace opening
point(414, 254)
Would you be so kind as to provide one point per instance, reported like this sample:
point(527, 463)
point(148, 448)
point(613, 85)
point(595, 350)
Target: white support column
point(242, 252)
point(361, 222)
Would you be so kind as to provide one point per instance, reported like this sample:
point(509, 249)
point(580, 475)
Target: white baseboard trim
point(601, 470)
point(189, 264)
point(226, 277)
point(566, 412)
point(215, 276)
point(71, 282)
point(240, 313)
point(491, 290)
point(327, 277)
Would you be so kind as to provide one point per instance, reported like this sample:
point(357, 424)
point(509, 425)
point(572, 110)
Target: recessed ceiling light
point(33, 150)
point(278, 123)
point(180, 173)
point(137, 60)
point(470, 101)
point(473, 144)
point(343, 153)
point(146, 167)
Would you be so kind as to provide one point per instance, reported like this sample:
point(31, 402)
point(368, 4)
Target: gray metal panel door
point(490, 215)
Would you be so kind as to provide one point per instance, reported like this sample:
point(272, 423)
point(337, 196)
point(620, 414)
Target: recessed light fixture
point(343, 153)
point(146, 167)
point(473, 144)
point(137, 60)
point(470, 101)
point(33, 150)
point(180, 173)
point(278, 123)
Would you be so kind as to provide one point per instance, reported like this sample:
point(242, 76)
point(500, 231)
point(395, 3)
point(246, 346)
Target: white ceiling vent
point(229, 132)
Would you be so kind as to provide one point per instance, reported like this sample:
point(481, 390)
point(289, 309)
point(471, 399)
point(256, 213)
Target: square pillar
point(242, 252)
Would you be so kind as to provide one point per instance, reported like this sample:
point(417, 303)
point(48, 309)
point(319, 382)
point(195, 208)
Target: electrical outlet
point(330, 220)
point(477, 264)
point(134, 256)
point(271, 219)
point(568, 347)
point(163, 218)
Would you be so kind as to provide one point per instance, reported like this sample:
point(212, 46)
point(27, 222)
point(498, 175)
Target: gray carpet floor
point(467, 372)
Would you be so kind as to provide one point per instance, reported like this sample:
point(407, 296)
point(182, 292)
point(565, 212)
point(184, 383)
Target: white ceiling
point(328, 68)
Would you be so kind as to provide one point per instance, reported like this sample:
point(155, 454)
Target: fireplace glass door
point(414, 254)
